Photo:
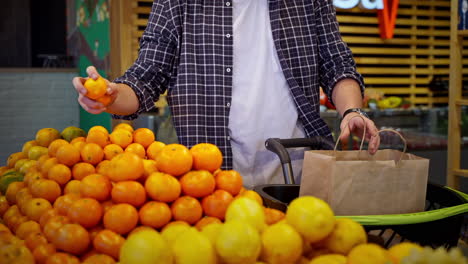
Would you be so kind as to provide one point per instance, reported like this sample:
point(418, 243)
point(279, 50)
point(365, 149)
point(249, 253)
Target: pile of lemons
point(309, 233)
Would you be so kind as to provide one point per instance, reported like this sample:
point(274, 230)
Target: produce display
point(121, 196)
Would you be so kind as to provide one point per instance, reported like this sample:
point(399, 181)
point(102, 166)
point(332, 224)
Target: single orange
point(197, 183)
point(36, 207)
point(98, 136)
point(92, 153)
point(174, 159)
point(162, 187)
point(206, 156)
point(111, 151)
point(229, 180)
point(130, 192)
point(273, 216)
point(136, 148)
point(86, 212)
point(78, 139)
point(68, 155)
point(125, 166)
point(47, 189)
point(216, 204)
point(95, 88)
point(60, 174)
point(125, 126)
point(81, 170)
point(108, 242)
point(155, 214)
point(121, 137)
point(27, 228)
point(144, 136)
point(187, 209)
point(121, 218)
point(96, 186)
point(153, 150)
point(72, 238)
point(98, 128)
point(64, 202)
point(72, 186)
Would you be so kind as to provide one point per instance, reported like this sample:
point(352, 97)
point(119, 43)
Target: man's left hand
point(354, 123)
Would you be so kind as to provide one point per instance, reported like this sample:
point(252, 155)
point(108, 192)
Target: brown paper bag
point(356, 183)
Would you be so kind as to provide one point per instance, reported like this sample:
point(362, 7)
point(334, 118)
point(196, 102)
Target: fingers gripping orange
point(95, 88)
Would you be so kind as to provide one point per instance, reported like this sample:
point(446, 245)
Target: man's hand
point(89, 105)
point(354, 123)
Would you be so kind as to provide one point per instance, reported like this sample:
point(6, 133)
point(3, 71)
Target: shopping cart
point(440, 225)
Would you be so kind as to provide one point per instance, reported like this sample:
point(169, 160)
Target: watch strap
point(355, 110)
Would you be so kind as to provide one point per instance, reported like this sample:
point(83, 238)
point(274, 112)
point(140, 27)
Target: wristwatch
point(355, 110)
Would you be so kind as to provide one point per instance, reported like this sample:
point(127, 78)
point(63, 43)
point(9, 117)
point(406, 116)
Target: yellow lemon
point(329, 259)
point(27, 145)
point(238, 242)
point(192, 247)
point(170, 233)
point(368, 254)
point(27, 165)
point(346, 234)
point(211, 231)
point(45, 136)
point(145, 247)
point(311, 217)
point(247, 210)
point(398, 251)
point(20, 163)
point(281, 244)
point(37, 151)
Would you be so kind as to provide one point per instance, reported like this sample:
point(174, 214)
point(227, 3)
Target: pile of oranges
point(80, 199)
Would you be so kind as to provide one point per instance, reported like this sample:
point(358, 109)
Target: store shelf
point(463, 32)
point(461, 102)
point(461, 172)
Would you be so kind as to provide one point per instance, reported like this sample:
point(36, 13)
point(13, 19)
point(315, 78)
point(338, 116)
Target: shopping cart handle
point(278, 146)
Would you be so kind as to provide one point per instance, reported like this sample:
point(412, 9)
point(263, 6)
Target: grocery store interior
point(413, 57)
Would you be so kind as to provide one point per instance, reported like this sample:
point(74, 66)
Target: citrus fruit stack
point(81, 194)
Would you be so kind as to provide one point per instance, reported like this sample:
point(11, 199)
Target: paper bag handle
point(364, 135)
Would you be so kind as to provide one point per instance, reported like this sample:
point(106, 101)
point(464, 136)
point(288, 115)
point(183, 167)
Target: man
point(238, 72)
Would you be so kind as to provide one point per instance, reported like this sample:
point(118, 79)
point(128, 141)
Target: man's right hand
point(89, 105)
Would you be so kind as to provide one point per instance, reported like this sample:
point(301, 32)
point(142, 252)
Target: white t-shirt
point(262, 106)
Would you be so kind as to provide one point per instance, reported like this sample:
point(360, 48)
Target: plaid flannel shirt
point(187, 48)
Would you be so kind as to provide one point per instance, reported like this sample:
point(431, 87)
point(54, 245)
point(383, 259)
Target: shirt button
point(228, 3)
point(228, 69)
point(228, 35)
point(228, 138)
point(228, 104)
